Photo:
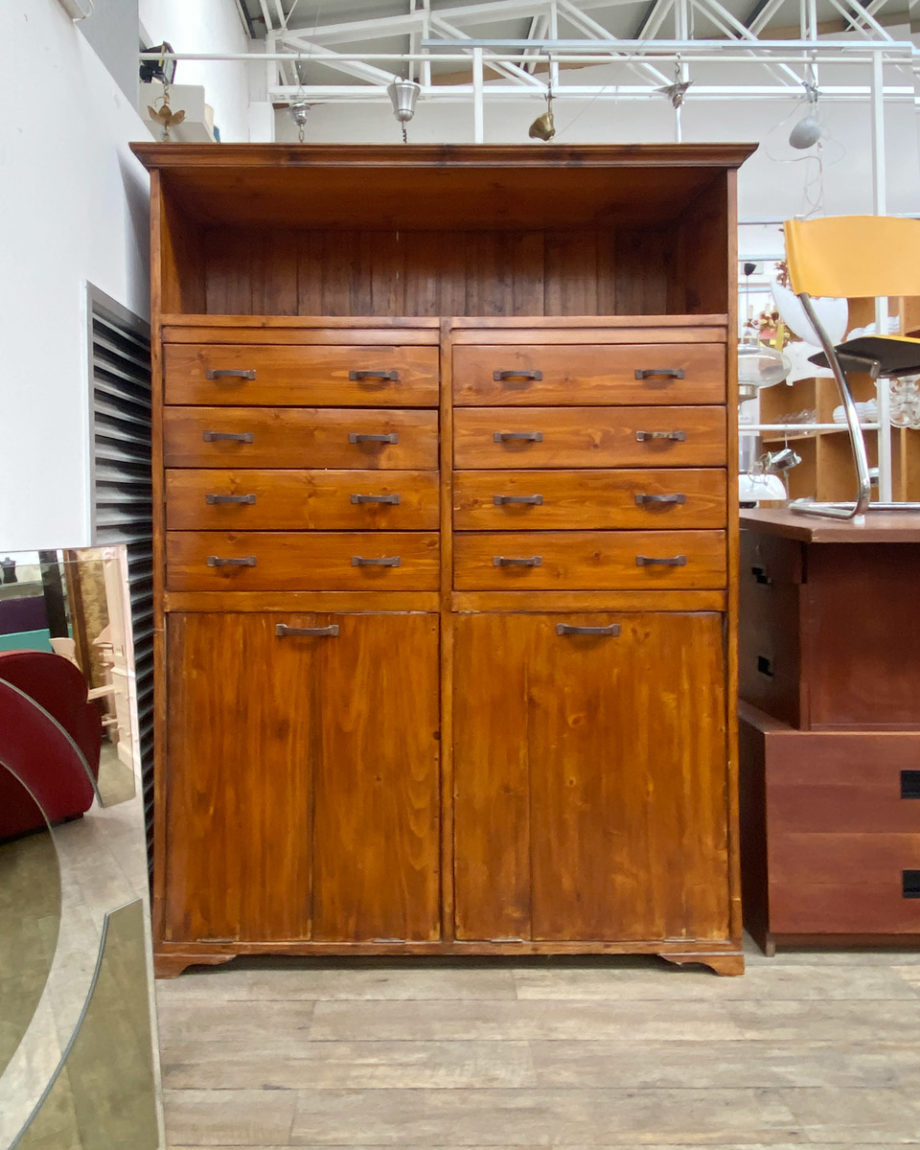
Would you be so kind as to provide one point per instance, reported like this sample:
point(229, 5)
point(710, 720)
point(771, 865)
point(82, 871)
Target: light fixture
point(403, 94)
point(759, 366)
point(163, 70)
point(544, 126)
point(299, 110)
point(807, 131)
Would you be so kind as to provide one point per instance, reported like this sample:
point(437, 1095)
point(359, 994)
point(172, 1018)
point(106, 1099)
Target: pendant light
point(759, 366)
point(807, 131)
point(403, 95)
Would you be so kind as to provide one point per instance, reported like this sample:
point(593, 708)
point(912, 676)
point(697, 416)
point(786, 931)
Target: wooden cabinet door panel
point(346, 438)
point(587, 374)
point(590, 777)
point(363, 376)
point(594, 437)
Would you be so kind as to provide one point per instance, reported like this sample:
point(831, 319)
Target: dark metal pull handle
point(644, 499)
point(374, 376)
point(394, 499)
point(282, 630)
point(385, 561)
point(230, 373)
point(761, 576)
point(910, 784)
point(571, 629)
point(243, 561)
point(227, 436)
point(510, 561)
point(360, 437)
point(670, 372)
point(675, 436)
point(525, 436)
point(531, 500)
point(516, 373)
point(654, 561)
point(211, 499)
point(765, 666)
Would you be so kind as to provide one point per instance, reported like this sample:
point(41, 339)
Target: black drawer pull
point(394, 499)
point(910, 883)
point(227, 436)
point(571, 629)
point(765, 666)
point(243, 561)
point(385, 561)
point(670, 372)
point(654, 561)
point(516, 373)
point(360, 437)
point(531, 500)
point(528, 561)
point(643, 500)
point(761, 576)
point(910, 784)
point(230, 373)
point(674, 436)
point(523, 436)
point(374, 376)
point(212, 499)
point(282, 630)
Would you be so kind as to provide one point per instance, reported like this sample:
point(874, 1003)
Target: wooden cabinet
point(445, 558)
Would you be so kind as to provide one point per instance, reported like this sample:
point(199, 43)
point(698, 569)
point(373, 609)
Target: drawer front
point(588, 500)
point(346, 438)
point(589, 560)
point(584, 374)
point(301, 561)
point(255, 374)
point(593, 437)
point(263, 500)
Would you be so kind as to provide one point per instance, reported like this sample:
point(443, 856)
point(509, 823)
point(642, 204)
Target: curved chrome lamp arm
point(857, 443)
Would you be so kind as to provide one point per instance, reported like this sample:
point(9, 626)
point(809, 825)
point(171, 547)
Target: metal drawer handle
point(675, 436)
point(571, 629)
point(519, 373)
point(359, 437)
point(385, 561)
point(761, 576)
point(282, 630)
point(229, 373)
point(394, 499)
point(670, 372)
point(374, 376)
point(677, 497)
point(654, 561)
point(211, 499)
point(227, 436)
point(506, 561)
point(531, 500)
point(244, 561)
point(525, 436)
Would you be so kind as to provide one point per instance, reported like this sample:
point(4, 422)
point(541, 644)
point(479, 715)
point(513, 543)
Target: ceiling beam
point(506, 68)
point(322, 55)
point(652, 19)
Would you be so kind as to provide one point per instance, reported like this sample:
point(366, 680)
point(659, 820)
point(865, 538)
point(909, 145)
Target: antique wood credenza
point(445, 550)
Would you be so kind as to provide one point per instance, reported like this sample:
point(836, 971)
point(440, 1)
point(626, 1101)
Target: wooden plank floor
point(806, 1049)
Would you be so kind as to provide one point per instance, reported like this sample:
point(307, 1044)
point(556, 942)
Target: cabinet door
point(590, 777)
point(301, 792)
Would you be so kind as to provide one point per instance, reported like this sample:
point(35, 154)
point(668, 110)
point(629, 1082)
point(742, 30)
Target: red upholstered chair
point(48, 746)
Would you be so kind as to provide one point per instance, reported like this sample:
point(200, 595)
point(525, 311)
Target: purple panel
point(22, 615)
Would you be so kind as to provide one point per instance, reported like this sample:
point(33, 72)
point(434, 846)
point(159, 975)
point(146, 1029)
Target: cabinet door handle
point(394, 499)
point(384, 561)
point(531, 500)
point(243, 561)
point(283, 631)
point(516, 373)
point(670, 372)
point(230, 373)
point(654, 561)
point(570, 629)
point(374, 376)
point(212, 499)
point(761, 576)
point(360, 437)
point(227, 436)
point(523, 436)
point(643, 499)
point(674, 436)
point(511, 561)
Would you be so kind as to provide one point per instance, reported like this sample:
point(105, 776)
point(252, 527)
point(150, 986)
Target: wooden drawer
point(301, 561)
point(589, 560)
point(586, 374)
point(302, 500)
point(303, 438)
point(584, 500)
point(593, 437)
point(357, 376)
